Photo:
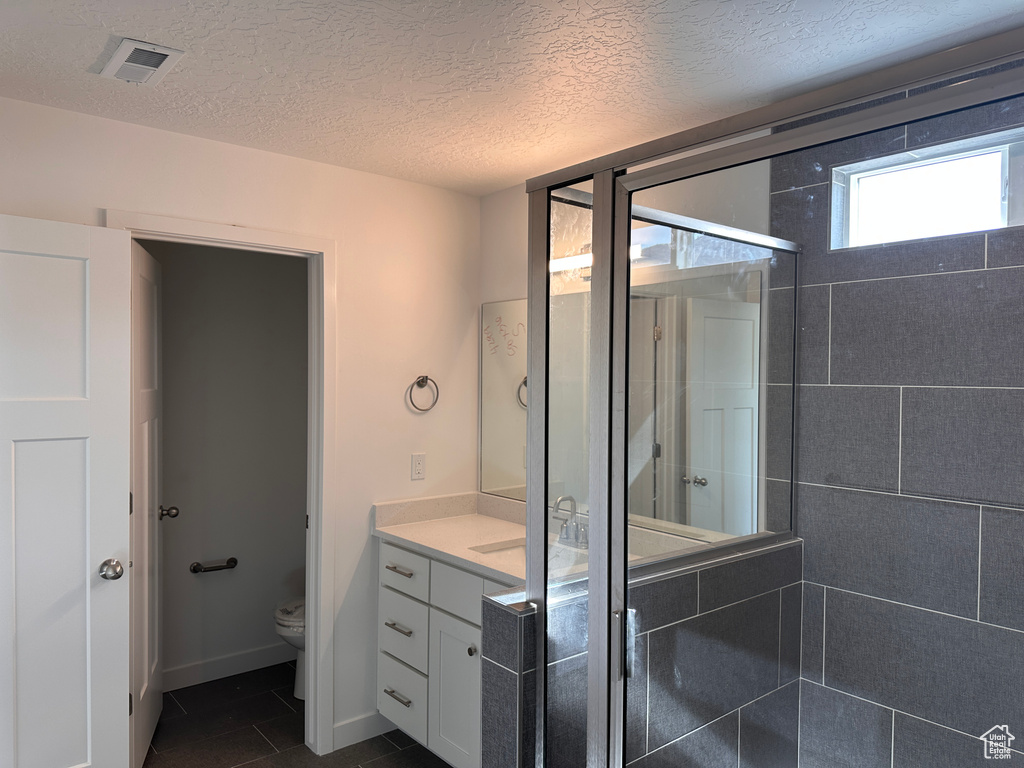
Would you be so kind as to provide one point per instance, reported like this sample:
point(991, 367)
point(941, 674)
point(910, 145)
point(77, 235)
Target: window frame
point(843, 191)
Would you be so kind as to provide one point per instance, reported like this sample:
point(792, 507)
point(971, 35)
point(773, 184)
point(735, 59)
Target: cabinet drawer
point(402, 696)
point(402, 628)
point(405, 571)
point(456, 591)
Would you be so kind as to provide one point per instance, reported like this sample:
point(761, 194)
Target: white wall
point(504, 219)
point(234, 362)
point(408, 304)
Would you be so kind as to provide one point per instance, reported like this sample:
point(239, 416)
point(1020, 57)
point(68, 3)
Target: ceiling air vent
point(144, 63)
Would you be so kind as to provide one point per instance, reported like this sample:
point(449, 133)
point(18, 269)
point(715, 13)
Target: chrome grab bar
point(198, 567)
point(398, 697)
point(399, 571)
point(400, 630)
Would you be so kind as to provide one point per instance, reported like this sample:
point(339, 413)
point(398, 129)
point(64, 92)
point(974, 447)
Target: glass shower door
point(706, 354)
point(568, 475)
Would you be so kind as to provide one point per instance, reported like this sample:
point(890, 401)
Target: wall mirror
point(503, 398)
point(710, 340)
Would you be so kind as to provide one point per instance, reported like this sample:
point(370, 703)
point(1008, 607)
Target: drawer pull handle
point(394, 626)
point(399, 571)
point(398, 697)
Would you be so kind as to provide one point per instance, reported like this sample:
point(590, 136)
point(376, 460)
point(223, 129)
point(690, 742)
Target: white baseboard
point(360, 728)
point(224, 666)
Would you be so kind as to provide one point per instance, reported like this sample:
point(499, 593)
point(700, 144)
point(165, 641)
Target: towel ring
point(422, 382)
point(519, 392)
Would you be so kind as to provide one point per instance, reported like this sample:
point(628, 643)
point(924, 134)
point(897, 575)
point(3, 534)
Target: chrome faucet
point(574, 532)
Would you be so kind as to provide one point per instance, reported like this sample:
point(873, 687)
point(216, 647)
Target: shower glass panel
point(709, 364)
point(709, 292)
point(570, 254)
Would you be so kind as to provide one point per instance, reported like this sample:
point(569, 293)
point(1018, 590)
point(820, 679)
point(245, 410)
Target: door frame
point(323, 493)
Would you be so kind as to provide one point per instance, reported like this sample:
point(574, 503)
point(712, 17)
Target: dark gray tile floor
point(253, 720)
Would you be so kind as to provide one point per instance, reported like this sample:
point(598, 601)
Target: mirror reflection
point(709, 365)
point(503, 398)
point(704, 276)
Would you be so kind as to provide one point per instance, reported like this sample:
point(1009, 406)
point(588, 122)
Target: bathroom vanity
point(434, 567)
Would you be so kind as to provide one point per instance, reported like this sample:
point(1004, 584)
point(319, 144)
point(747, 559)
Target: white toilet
point(290, 618)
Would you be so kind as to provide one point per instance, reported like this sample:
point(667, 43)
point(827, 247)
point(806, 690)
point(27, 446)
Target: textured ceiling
point(473, 96)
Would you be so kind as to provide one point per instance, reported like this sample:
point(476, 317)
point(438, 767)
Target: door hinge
point(657, 333)
point(307, 522)
point(131, 502)
point(129, 705)
point(656, 451)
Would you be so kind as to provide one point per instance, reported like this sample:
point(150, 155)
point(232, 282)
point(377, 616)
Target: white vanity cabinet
point(428, 659)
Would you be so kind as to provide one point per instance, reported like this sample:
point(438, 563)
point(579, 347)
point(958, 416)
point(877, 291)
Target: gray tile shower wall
point(910, 494)
point(715, 677)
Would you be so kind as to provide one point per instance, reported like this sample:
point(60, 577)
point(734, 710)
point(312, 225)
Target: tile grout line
point(899, 461)
point(778, 683)
point(811, 384)
point(279, 696)
point(690, 733)
point(502, 666)
point(799, 713)
point(739, 735)
point(256, 728)
point(892, 741)
point(708, 612)
point(647, 728)
point(824, 606)
point(900, 711)
point(981, 512)
point(830, 333)
point(920, 608)
point(800, 666)
point(171, 694)
point(910, 277)
point(937, 499)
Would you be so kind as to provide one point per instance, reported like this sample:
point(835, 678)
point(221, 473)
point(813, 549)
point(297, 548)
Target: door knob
point(171, 512)
point(111, 569)
point(685, 480)
point(698, 480)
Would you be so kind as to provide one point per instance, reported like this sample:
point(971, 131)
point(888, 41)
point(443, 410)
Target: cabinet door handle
point(471, 650)
point(399, 571)
point(398, 697)
point(401, 630)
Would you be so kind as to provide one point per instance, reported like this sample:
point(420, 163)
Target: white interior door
point(65, 353)
point(146, 665)
point(723, 397)
point(644, 446)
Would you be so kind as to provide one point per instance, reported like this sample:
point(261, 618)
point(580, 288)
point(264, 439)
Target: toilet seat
point(291, 614)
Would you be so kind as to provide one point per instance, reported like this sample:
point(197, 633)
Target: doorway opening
point(310, 264)
point(227, 475)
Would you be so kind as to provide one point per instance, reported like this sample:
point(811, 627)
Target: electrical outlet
point(419, 466)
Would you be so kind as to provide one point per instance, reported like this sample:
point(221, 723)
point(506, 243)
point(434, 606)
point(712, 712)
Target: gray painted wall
point(234, 454)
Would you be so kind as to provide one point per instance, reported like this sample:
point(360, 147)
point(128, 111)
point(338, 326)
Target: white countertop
point(449, 539)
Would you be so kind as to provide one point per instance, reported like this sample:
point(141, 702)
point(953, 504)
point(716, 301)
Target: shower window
point(964, 186)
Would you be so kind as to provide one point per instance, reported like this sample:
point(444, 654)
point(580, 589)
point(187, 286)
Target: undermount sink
point(499, 546)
